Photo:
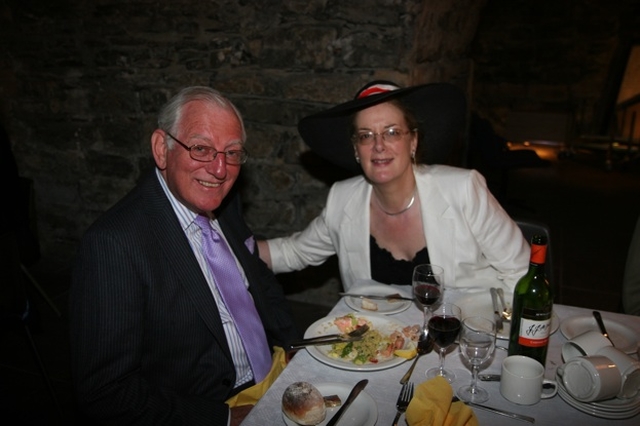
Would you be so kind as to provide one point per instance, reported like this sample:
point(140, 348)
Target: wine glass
point(444, 327)
point(477, 343)
point(428, 286)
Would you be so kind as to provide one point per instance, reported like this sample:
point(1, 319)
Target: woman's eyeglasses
point(391, 135)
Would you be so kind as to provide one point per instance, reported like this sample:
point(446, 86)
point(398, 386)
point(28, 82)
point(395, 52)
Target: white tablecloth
point(384, 385)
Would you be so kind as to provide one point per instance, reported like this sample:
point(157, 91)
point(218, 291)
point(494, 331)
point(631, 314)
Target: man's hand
point(239, 413)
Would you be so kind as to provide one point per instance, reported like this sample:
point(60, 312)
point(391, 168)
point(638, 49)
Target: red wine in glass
point(444, 330)
point(427, 294)
point(444, 326)
point(428, 284)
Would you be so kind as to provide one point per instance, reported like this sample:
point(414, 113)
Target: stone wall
point(555, 57)
point(81, 82)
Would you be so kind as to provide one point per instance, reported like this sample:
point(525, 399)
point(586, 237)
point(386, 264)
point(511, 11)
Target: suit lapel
point(175, 245)
point(354, 228)
point(439, 225)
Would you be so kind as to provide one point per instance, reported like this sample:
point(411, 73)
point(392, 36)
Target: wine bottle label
point(535, 328)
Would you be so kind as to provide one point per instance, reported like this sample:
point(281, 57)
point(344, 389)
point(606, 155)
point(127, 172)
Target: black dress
point(389, 270)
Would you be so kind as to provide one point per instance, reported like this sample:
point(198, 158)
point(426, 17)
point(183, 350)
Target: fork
point(506, 311)
point(403, 400)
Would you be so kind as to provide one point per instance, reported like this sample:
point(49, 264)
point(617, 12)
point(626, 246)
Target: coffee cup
point(629, 369)
point(591, 378)
point(585, 344)
point(522, 379)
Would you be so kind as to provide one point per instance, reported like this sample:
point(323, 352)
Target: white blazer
point(467, 232)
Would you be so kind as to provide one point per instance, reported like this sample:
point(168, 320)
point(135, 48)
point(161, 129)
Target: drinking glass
point(444, 327)
point(477, 343)
point(428, 286)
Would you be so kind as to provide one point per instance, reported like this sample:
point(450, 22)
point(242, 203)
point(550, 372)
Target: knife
point(352, 396)
point(489, 377)
point(497, 313)
point(377, 296)
point(603, 330)
point(496, 378)
point(509, 414)
point(303, 343)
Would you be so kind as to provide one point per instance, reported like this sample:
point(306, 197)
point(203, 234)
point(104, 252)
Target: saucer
point(614, 408)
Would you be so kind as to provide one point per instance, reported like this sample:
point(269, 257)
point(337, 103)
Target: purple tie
point(236, 298)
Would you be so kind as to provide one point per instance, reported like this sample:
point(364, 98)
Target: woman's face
point(383, 160)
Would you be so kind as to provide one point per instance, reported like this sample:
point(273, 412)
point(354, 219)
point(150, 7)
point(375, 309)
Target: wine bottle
point(532, 307)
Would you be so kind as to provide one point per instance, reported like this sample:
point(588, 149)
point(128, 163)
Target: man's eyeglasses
point(206, 153)
point(391, 135)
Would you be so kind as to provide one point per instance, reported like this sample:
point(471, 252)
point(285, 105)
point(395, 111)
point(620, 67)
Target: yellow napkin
point(251, 395)
point(431, 406)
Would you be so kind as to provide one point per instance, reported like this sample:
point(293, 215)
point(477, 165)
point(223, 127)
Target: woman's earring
point(357, 159)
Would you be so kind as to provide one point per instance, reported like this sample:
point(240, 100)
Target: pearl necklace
point(413, 198)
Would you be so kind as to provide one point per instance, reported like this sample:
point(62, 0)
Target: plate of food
point(375, 351)
point(622, 336)
point(316, 404)
point(387, 307)
point(479, 303)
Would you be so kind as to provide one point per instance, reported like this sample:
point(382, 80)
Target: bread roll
point(303, 403)
point(369, 304)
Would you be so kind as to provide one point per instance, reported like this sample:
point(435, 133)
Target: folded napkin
point(251, 395)
point(431, 406)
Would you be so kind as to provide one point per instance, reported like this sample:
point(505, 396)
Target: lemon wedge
point(406, 353)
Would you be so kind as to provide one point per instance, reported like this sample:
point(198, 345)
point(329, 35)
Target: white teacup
point(591, 378)
point(522, 379)
point(585, 344)
point(629, 370)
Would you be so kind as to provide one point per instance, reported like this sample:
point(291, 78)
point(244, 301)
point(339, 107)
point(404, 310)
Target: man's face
point(200, 186)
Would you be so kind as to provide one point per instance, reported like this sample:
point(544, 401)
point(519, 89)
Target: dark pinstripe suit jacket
point(147, 341)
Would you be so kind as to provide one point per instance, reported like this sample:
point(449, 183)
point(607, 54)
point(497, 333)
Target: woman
point(400, 214)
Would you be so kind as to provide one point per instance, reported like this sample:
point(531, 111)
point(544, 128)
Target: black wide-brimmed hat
point(439, 108)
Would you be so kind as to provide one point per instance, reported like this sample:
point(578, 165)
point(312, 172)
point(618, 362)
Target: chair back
point(530, 228)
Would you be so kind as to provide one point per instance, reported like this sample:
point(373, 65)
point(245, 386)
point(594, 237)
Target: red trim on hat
point(376, 89)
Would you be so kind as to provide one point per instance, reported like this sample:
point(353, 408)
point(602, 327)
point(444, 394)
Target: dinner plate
point(384, 306)
point(479, 303)
point(622, 336)
point(363, 411)
point(382, 323)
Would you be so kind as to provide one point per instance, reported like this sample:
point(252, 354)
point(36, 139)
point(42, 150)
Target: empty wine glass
point(428, 286)
point(477, 343)
point(444, 327)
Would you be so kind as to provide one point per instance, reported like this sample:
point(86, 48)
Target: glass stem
point(442, 353)
point(474, 378)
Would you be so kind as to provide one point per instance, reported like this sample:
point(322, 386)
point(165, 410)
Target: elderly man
point(167, 323)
